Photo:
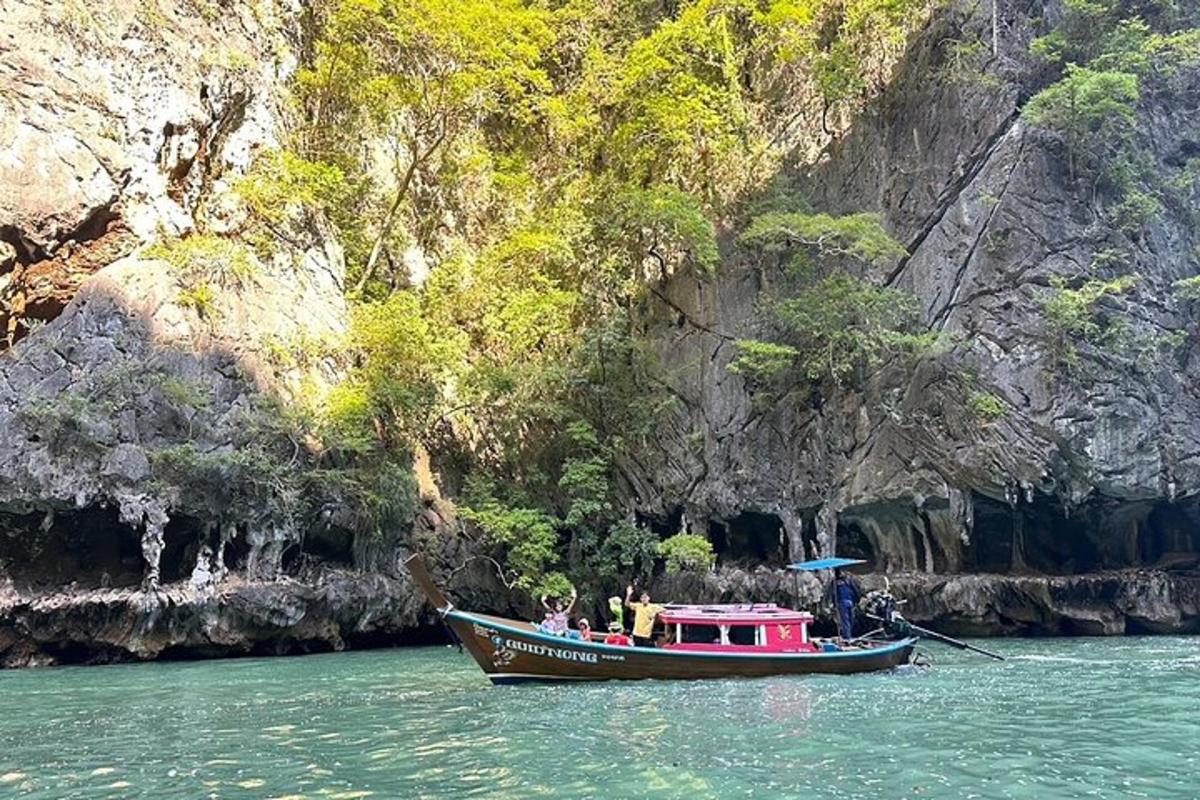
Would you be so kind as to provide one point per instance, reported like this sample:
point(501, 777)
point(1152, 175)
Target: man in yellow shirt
point(644, 614)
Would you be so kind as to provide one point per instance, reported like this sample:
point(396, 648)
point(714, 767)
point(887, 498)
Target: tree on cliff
point(553, 164)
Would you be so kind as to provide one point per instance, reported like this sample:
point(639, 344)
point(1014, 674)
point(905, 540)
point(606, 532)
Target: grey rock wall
point(122, 125)
point(989, 217)
point(1092, 468)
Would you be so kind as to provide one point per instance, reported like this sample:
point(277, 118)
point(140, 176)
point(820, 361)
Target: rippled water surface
point(1061, 718)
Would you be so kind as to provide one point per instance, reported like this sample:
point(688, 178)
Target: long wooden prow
point(420, 574)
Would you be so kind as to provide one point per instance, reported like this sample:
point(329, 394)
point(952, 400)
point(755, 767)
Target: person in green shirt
point(644, 614)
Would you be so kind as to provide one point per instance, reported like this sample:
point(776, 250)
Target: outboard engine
point(880, 605)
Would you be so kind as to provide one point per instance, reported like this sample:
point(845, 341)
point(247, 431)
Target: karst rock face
point(1091, 469)
point(125, 125)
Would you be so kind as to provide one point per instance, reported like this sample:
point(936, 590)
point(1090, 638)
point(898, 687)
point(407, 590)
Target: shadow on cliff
point(134, 518)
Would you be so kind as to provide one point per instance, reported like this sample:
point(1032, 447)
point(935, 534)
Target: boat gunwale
point(483, 619)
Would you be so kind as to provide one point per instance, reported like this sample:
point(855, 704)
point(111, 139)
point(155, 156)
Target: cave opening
point(810, 544)
point(90, 548)
point(662, 526)
point(751, 537)
point(853, 542)
point(182, 539)
point(1042, 537)
point(237, 553)
point(895, 537)
point(331, 545)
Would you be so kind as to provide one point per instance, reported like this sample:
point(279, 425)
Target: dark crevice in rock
point(663, 526)
point(1028, 535)
point(96, 226)
point(330, 545)
point(237, 553)
point(86, 549)
point(950, 196)
point(750, 537)
point(39, 284)
point(72, 652)
point(14, 250)
point(1184, 153)
point(177, 169)
point(1041, 537)
point(182, 539)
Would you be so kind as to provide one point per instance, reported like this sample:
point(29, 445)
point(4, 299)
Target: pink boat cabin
point(763, 627)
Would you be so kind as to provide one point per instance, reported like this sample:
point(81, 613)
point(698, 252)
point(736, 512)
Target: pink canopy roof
point(745, 614)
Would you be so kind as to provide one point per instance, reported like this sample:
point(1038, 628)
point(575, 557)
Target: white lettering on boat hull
point(547, 651)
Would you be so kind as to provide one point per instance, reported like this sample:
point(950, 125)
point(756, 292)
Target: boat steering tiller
point(880, 605)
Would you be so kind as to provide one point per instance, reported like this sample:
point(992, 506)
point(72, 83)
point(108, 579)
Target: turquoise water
point(1105, 718)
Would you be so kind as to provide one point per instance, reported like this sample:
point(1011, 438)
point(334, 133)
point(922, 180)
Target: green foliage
point(206, 258)
point(661, 222)
point(1110, 53)
point(64, 422)
point(842, 42)
point(553, 584)
point(280, 181)
point(1188, 288)
point(986, 406)
point(1092, 110)
point(347, 419)
point(838, 324)
point(687, 552)
point(228, 59)
point(219, 477)
point(529, 535)
point(966, 60)
point(380, 493)
point(675, 93)
point(1073, 313)
point(629, 551)
point(183, 393)
point(552, 163)
point(1135, 210)
point(585, 477)
point(406, 359)
point(859, 236)
point(200, 297)
point(420, 75)
point(764, 361)
point(1091, 31)
point(832, 329)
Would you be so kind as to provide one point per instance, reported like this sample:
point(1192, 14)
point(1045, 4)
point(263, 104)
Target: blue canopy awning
point(825, 563)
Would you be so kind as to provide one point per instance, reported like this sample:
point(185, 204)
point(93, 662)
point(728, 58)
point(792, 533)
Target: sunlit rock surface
point(123, 125)
point(126, 123)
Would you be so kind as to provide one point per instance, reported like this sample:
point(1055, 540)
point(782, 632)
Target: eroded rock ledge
point(324, 610)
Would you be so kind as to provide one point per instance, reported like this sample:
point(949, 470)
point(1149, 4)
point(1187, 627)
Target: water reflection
point(1059, 719)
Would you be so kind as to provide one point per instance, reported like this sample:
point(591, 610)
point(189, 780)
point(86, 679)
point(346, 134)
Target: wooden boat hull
point(514, 652)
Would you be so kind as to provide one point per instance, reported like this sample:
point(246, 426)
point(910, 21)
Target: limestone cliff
point(124, 129)
point(136, 404)
point(1084, 469)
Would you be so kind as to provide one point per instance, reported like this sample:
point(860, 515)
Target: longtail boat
point(708, 641)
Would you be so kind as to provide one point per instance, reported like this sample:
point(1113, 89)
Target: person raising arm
point(558, 614)
point(644, 614)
